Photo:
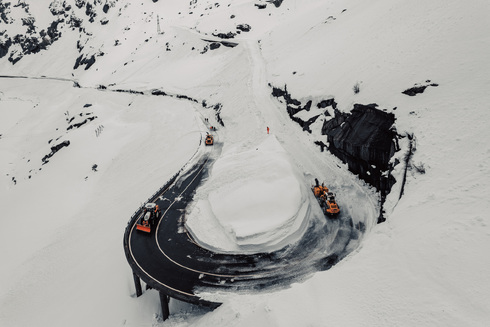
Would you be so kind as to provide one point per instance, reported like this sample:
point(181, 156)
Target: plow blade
point(142, 228)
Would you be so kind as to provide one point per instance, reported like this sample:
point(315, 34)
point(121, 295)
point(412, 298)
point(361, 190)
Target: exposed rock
point(158, 92)
point(293, 106)
point(327, 103)
point(244, 27)
point(228, 35)
point(56, 8)
point(129, 91)
point(417, 89)
point(29, 22)
point(79, 3)
point(55, 149)
point(4, 11)
point(276, 3)
point(5, 46)
point(84, 61)
point(15, 56)
point(77, 125)
point(214, 45)
point(365, 141)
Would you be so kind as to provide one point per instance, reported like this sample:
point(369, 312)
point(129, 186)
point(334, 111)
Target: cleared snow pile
point(253, 201)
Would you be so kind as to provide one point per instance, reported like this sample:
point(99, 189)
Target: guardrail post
point(164, 303)
point(137, 285)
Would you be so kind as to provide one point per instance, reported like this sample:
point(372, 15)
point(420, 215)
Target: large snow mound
point(254, 197)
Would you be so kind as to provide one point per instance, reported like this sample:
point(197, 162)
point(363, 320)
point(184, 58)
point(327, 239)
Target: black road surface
point(167, 259)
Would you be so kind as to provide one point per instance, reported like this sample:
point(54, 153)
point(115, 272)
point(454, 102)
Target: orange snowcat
point(209, 139)
point(151, 213)
point(326, 199)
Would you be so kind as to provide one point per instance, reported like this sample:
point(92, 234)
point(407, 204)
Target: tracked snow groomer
point(326, 199)
point(151, 213)
point(209, 139)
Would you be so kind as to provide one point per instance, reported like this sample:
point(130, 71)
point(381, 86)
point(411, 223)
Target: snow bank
point(256, 197)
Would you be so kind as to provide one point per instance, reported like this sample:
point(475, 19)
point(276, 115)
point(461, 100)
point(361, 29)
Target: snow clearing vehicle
point(209, 139)
point(151, 213)
point(326, 199)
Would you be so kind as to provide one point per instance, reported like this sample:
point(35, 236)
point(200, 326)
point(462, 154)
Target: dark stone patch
point(129, 91)
point(55, 149)
point(293, 106)
point(214, 45)
point(327, 103)
point(77, 125)
point(228, 35)
point(276, 3)
point(365, 141)
point(5, 46)
point(79, 3)
point(15, 56)
point(75, 22)
point(158, 92)
point(229, 44)
point(417, 89)
point(244, 27)
point(180, 96)
point(261, 5)
point(4, 9)
point(29, 22)
point(87, 61)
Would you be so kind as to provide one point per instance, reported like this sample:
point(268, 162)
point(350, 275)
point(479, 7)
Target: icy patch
point(253, 201)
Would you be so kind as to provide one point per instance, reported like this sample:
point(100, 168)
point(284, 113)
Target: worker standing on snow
point(267, 129)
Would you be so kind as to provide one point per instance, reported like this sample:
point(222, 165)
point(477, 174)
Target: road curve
point(169, 261)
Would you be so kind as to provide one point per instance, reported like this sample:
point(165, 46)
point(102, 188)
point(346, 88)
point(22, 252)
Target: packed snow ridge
point(254, 200)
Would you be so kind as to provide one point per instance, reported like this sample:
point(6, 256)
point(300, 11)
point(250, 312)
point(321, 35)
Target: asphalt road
point(167, 259)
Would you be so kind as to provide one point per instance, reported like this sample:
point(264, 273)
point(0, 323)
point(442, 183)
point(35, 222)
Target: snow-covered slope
point(63, 220)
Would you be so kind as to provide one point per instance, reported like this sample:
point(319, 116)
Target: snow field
point(64, 222)
point(426, 265)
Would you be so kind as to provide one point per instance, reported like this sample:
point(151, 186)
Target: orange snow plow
point(326, 199)
point(209, 139)
point(151, 213)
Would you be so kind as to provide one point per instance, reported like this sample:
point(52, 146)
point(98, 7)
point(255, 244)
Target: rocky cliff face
point(31, 38)
point(365, 140)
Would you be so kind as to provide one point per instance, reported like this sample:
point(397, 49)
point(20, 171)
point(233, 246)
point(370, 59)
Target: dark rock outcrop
point(77, 125)
point(55, 149)
point(5, 46)
point(244, 27)
point(214, 45)
point(293, 106)
point(419, 88)
point(276, 3)
point(228, 35)
point(365, 140)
